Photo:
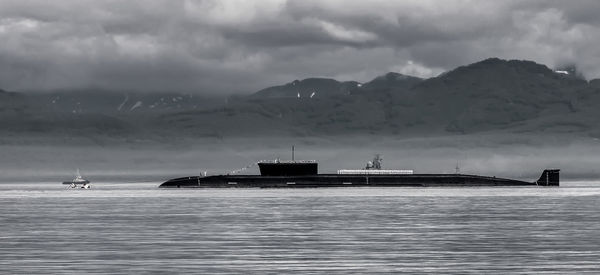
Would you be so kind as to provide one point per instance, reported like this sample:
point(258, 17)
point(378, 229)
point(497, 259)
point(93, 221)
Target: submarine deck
point(337, 180)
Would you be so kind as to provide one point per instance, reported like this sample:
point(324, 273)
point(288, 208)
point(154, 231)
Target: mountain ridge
point(490, 95)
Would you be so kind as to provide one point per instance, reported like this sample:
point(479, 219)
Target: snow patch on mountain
point(123, 103)
point(136, 105)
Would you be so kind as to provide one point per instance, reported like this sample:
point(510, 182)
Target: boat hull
point(76, 182)
point(336, 180)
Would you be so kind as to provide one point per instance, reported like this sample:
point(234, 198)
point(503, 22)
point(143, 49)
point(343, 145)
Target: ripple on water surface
point(129, 228)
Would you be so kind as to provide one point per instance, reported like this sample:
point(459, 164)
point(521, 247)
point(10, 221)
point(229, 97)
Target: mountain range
point(493, 95)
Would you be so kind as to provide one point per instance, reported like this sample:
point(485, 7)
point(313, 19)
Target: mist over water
point(124, 226)
point(518, 157)
point(136, 228)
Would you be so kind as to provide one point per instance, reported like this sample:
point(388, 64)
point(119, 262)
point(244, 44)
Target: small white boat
point(78, 181)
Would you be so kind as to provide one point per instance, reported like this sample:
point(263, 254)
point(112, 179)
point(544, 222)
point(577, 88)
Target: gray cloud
point(241, 46)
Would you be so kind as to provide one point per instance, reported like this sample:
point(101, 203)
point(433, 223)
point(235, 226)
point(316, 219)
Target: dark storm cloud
point(241, 46)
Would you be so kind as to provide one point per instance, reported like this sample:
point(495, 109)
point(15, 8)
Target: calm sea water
point(137, 228)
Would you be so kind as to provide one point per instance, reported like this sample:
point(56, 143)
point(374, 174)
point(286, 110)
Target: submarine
point(304, 174)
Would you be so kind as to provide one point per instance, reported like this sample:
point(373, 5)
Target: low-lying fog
point(518, 157)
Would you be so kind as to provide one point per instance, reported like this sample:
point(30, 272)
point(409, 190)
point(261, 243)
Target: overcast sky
point(241, 46)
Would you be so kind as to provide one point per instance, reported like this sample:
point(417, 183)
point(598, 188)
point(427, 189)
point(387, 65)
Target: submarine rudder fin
point(550, 177)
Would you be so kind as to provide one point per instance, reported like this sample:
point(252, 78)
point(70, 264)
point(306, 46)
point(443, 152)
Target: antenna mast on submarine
point(292, 152)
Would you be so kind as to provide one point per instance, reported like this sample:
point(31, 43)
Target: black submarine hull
point(548, 178)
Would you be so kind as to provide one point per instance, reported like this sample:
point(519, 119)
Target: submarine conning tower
point(288, 168)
